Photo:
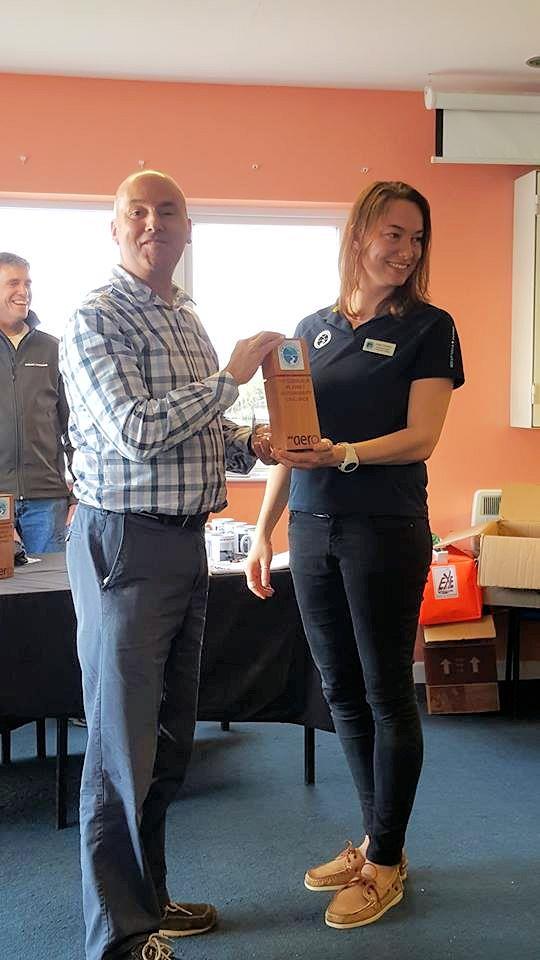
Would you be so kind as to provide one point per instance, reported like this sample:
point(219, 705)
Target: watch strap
point(350, 461)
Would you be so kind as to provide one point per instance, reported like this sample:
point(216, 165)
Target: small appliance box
point(290, 398)
point(509, 547)
point(6, 536)
point(451, 592)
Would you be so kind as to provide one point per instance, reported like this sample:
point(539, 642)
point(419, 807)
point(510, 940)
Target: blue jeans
point(140, 591)
point(359, 583)
point(41, 524)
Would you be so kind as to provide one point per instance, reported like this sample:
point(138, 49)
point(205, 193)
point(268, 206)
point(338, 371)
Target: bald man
point(151, 445)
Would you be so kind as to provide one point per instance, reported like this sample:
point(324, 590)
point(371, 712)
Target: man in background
point(151, 443)
point(34, 441)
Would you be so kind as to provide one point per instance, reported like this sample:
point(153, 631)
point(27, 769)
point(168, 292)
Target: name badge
point(380, 346)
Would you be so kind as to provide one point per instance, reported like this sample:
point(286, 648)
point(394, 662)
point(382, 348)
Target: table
point(521, 605)
point(255, 665)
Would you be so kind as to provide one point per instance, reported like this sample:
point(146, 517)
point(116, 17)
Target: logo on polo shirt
point(322, 339)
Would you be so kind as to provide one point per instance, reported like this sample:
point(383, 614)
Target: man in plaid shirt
point(151, 444)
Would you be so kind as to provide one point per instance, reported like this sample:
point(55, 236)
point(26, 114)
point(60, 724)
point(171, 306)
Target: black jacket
point(33, 417)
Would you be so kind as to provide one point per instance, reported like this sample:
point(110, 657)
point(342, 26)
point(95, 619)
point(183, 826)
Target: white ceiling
point(462, 44)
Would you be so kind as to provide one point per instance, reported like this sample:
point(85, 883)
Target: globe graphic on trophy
point(290, 355)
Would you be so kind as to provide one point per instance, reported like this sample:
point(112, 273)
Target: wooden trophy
point(289, 395)
point(7, 550)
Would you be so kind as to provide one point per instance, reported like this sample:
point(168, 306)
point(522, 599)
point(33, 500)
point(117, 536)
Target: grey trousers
point(140, 591)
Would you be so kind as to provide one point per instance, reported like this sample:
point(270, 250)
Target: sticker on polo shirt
point(290, 355)
point(383, 347)
point(322, 339)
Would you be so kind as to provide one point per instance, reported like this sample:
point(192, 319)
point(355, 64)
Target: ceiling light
point(533, 62)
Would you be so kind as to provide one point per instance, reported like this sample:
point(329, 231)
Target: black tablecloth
point(255, 665)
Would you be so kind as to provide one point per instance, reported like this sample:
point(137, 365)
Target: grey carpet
point(246, 827)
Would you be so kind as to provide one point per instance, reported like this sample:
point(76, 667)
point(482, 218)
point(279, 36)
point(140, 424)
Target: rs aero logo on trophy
point(302, 439)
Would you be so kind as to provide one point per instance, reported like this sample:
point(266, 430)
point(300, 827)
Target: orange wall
point(83, 136)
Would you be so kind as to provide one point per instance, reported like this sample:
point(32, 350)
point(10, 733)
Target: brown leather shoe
point(186, 919)
point(360, 902)
point(342, 869)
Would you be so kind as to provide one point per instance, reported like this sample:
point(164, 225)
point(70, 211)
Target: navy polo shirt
point(362, 379)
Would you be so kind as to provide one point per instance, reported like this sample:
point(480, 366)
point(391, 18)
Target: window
point(70, 251)
point(247, 269)
point(260, 270)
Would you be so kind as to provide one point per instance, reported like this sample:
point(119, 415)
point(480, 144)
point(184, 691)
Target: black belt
point(189, 521)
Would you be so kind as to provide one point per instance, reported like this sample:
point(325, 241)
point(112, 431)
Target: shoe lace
point(350, 853)
point(155, 948)
point(369, 889)
point(177, 908)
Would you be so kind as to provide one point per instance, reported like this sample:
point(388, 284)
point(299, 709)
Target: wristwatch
point(351, 461)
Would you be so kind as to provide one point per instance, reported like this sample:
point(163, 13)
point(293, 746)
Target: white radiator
point(485, 506)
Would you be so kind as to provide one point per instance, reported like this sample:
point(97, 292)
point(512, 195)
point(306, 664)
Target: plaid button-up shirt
point(147, 404)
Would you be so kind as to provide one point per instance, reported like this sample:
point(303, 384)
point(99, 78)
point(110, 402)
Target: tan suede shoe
point(342, 869)
point(360, 902)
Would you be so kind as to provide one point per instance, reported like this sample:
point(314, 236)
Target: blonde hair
point(367, 210)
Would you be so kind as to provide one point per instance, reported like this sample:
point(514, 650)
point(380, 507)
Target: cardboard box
point(509, 547)
point(467, 662)
point(463, 698)
point(7, 551)
point(460, 653)
point(460, 662)
point(289, 395)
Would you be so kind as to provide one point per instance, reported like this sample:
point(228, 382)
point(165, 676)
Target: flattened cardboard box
point(509, 548)
point(483, 629)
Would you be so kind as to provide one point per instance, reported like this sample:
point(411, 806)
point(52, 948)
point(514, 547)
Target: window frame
point(219, 212)
point(284, 215)
point(329, 216)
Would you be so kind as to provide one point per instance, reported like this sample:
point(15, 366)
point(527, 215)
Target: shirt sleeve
point(102, 374)
point(238, 457)
point(439, 352)
point(63, 418)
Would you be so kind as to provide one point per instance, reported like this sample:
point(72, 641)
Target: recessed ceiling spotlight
point(533, 62)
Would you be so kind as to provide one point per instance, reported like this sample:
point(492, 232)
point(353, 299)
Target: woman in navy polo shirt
point(384, 364)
